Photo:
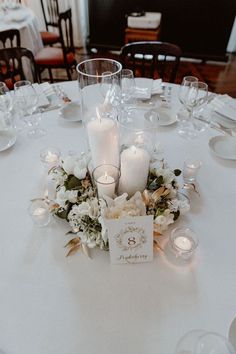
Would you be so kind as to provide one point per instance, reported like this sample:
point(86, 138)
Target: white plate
point(163, 115)
point(224, 147)
point(7, 139)
point(226, 122)
point(232, 333)
point(71, 112)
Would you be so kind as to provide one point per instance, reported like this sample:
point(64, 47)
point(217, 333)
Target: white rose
point(68, 164)
point(80, 170)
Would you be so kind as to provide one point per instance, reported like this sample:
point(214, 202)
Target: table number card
point(131, 239)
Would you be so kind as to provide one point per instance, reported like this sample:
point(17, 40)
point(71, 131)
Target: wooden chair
point(64, 57)
point(50, 10)
point(17, 64)
point(10, 38)
point(152, 59)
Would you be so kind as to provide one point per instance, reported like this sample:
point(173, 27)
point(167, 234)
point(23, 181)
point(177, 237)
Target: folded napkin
point(42, 98)
point(225, 106)
point(147, 87)
point(157, 88)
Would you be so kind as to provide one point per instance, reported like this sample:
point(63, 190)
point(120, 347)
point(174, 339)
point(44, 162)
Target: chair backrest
point(50, 10)
point(10, 38)
point(152, 59)
point(66, 32)
point(17, 64)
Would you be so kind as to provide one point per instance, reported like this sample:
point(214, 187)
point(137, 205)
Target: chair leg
point(50, 75)
point(39, 74)
point(68, 73)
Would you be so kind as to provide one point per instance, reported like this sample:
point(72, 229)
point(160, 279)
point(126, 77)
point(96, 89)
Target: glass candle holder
point(99, 86)
point(106, 178)
point(183, 242)
point(137, 128)
point(50, 156)
point(190, 170)
point(39, 212)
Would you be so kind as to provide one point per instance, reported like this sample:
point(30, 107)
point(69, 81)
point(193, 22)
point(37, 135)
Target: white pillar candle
point(106, 186)
point(134, 170)
point(103, 138)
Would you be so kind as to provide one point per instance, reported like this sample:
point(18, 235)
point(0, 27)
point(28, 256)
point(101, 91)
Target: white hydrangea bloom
point(72, 196)
point(162, 222)
point(61, 197)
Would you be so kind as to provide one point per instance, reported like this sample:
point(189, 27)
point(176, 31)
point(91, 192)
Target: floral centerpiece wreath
point(77, 202)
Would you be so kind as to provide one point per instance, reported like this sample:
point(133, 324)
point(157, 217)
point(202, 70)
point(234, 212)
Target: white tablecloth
point(50, 304)
point(23, 19)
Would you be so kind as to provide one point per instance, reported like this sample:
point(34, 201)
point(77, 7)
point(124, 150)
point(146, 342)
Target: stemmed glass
point(203, 342)
point(5, 105)
point(127, 87)
point(192, 93)
point(110, 89)
point(27, 100)
point(197, 94)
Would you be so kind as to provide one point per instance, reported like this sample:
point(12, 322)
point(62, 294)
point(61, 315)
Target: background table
point(23, 19)
point(51, 304)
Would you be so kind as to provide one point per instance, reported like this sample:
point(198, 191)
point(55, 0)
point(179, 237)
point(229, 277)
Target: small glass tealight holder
point(106, 177)
point(50, 157)
point(190, 170)
point(39, 212)
point(183, 242)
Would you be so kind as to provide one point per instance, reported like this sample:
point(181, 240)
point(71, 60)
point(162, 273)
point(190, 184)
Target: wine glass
point(200, 341)
point(184, 87)
point(197, 94)
point(5, 105)
point(127, 87)
point(27, 99)
point(185, 127)
point(110, 90)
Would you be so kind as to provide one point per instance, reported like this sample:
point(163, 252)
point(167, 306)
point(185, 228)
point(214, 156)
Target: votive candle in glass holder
point(50, 156)
point(39, 212)
point(183, 242)
point(190, 170)
point(106, 178)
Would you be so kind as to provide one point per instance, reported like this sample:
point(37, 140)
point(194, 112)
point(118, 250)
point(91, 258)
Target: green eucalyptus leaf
point(73, 182)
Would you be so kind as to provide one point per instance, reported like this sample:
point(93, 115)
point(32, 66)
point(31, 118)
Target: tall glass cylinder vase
point(99, 85)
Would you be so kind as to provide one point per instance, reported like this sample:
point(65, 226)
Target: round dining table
point(22, 18)
point(53, 304)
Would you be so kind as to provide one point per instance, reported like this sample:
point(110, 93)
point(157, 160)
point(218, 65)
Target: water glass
point(127, 87)
point(27, 100)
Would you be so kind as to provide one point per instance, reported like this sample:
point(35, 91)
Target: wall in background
point(199, 27)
